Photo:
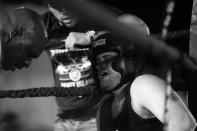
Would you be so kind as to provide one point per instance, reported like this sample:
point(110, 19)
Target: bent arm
point(148, 91)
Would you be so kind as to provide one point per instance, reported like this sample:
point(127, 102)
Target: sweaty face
point(108, 77)
point(65, 17)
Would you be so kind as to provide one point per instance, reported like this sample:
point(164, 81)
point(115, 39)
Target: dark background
point(153, 13)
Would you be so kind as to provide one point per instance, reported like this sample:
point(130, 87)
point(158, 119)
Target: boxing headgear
point(128, 63)
point(111, 42)
point(23, 39)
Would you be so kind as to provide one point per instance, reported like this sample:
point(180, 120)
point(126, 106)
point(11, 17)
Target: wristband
point(91, 35)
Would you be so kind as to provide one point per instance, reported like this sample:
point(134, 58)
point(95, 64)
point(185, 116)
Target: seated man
point(22, 38)
point(138, 99)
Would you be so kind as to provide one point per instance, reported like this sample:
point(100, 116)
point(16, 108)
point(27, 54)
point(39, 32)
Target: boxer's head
point(110, 60)
point(105, 51)
point(115, 65)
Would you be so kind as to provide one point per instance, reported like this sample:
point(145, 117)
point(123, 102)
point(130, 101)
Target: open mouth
point(102, 74)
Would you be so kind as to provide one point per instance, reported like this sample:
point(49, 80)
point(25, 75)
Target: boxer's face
point(64, 16)
point(108, 77)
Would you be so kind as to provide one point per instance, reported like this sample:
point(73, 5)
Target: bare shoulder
point(147, 82)
point(147, 94)
point(146, 88)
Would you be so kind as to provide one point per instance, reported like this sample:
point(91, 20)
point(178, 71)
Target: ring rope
point(164, 32)
point(46, 92)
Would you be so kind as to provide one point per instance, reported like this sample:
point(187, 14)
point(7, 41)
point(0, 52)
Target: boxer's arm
point(148, 92)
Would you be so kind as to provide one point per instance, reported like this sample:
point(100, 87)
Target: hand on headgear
point(77, 38)
point(23, 38)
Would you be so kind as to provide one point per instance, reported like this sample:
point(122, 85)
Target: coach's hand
point(77, 38)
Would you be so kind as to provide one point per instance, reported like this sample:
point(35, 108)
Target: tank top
point(127, 119)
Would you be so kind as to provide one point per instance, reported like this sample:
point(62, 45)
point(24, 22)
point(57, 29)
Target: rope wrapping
point(46, 92)
point(164, 32)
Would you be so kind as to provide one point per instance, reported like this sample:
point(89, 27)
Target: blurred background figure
point(28, 111)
